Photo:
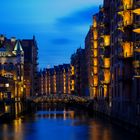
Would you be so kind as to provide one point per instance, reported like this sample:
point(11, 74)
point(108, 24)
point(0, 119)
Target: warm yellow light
point(95, 45)
point(107, 76)
point(95, 70)
point(7, 109)
point(106, 40)
point(95, 34)
point(94, 22)
point(72, 82)
point(137, 30)
point(95, 52)
point(127, 17)
point(137, 11)
point(105, 90)
point(128, 4)
point(136, 64)
point(127, 49)
point(107, 62)
point(72, 70)
point(95, 80)
point(22, 89)
point(64, 89)
point(95, 61)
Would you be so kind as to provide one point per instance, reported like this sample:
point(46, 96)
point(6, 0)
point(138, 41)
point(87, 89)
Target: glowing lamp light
point(127, 4)
point(7, 85)
point(127, 49)
point(94, 22)
point(95, 53)
point(95, 44)
point(95, 70)
point(106, 40)
point(95, 81)
point(106, 62)
point(95, 62)
point(107, 76)
point(137, 11)
point(137, 30)
point(95, 34)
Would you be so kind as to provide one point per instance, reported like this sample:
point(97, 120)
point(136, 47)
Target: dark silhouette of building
point(30, 65)
point(79, 77)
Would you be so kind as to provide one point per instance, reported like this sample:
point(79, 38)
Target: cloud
point(78, 18)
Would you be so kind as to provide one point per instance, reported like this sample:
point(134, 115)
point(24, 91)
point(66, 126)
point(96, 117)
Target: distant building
point(30, 66)
point(55, 80)
point(79, 77)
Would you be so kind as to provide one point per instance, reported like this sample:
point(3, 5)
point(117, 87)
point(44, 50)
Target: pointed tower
point(19, 54)
point(18, 48)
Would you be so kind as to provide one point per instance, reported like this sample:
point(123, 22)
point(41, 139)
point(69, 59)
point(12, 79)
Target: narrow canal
point(59, 123)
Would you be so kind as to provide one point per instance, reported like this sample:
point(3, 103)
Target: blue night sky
point(60, 26)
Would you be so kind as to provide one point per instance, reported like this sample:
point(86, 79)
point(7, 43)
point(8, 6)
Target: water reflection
point(12, 131)
point(53, 123)
point(18, 108)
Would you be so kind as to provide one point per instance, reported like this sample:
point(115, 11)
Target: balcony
point(127, 19)
point(127, 50)
point(137, 27)
point(136, 64)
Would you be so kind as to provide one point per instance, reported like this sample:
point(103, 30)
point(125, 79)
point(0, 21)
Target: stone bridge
point(55, 98)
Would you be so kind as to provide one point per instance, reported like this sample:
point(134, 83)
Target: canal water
point(61, 123)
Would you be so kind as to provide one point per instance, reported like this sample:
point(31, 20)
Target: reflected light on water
point(66, 114)
point(18, 129)
point(99, 132)
point(18, 108)
point(65, 124)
